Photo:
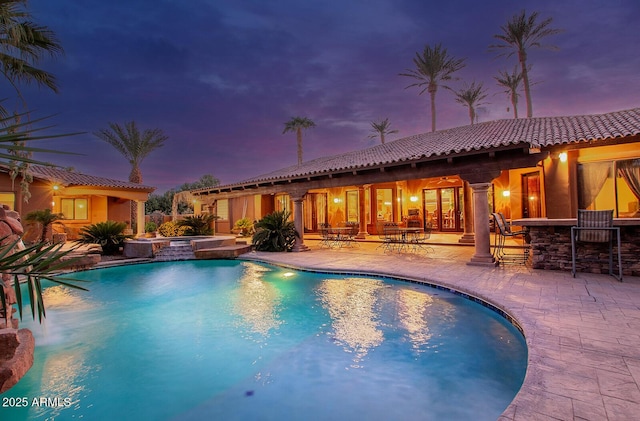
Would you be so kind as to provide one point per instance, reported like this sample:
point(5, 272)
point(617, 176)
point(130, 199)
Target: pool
point(243, 340)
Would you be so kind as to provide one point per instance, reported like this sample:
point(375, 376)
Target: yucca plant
point(31, 265)
point(275, 232)
point(197, 225)
point(109, 234)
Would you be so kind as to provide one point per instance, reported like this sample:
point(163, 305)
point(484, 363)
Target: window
point(352, 206)
point(75, 208)
point(222, 209)
point(384, 205)
point(8, 198)
point(282, 202)
point(610, 185)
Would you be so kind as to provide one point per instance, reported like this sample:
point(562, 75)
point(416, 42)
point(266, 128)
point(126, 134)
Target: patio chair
point(352, 233)
point(503, 231)
point(327, 238)
point(595, 227)
point(392, 236)
point(419, 239)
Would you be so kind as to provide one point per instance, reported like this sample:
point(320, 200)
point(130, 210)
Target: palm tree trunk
point(432, 93)
point(522, 57)
point(382, 138)
point(135, 177)
point(514, 103)
point(299, 139)
point(472, 114)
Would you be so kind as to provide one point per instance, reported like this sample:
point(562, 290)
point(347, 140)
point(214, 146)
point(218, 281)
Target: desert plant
point(275, 232)
point(244, 226)
point(171, 229)
point(46, 219)
point(109, 234)
point(197, 225)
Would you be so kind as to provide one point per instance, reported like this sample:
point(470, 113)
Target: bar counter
point(551, 246)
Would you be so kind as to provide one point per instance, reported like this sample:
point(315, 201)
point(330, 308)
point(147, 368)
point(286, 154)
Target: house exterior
point(526, 168)
point(83, 199)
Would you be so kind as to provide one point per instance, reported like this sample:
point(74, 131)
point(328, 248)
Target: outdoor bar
point(551, 245)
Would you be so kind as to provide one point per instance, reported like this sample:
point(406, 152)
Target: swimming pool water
point(242, 340)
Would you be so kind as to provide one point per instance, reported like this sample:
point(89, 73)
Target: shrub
point(150, 227)
point(171, 229)
point(110, 235)
point(275, 232)
point(245, 226)
point(197, 225)
point(46, 219)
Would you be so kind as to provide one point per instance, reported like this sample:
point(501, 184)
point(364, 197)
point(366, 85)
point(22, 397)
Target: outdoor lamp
point(562, 156)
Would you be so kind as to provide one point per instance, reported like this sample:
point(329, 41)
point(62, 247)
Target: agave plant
point(109, 234)
point(275, 232)
point(197, 225)
point(31, 265)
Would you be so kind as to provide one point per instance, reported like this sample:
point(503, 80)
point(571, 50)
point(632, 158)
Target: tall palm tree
point(134, 146)
point(433, 66)
point(381, 129)
point(520, 34)
point(511, 83)
point(296, 124)
point(470, 96)
point(22, 44)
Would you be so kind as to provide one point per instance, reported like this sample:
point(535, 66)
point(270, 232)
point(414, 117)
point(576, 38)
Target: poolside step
point(224, 252)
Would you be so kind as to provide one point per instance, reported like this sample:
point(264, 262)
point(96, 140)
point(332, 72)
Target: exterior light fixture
point(413, 198)
point(506, 193)
point(563, 156)
point(336, 200)
point(56, 187)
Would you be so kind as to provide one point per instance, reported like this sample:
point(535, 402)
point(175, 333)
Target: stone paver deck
point(583, 333)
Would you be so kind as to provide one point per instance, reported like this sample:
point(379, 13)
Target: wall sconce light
point(562, 156)
point(506, 193)
point(413, 198)
point(337, 200)
point(56, 187)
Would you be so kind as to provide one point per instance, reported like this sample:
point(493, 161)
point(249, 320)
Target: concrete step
point(224, 252)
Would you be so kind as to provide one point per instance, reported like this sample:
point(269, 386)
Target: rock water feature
point(16, 345)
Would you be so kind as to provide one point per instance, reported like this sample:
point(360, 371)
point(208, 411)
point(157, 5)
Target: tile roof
point(69, 178)
point(533, 132)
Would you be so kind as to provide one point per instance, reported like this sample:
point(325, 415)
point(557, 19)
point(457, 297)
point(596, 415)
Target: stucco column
point(468, 236)
point(140, 218)
point(482, 256)
point(362, 212)
point(298, 222)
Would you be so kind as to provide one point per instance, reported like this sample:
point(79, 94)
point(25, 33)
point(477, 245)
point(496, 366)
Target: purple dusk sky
point(221, 78)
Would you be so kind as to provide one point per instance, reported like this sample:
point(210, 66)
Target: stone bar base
point(551, 249)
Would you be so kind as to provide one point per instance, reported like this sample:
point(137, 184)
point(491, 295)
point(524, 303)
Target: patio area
point(583, 333)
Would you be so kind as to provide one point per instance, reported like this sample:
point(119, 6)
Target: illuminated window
point(75, 208)
point(222, 209)
point(8, 198)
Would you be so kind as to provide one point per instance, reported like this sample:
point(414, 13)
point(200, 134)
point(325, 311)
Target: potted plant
point(243, 227)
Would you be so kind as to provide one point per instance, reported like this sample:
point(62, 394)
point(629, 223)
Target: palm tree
point(134, 146)
point(296, 124)
point(433, 67)
point(22, 44)
point(381, 129)
point(520, 34)
point(511, 83)
point(46, 219)
point(470, 96)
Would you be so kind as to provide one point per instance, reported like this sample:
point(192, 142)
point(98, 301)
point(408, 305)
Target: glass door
point(531, 206)
point(442, 208)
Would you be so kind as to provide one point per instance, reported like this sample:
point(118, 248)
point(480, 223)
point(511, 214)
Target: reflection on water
point(63, 377)
point(60, 296)
point(257, 301)
point(351, 304)
point(412, 306)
